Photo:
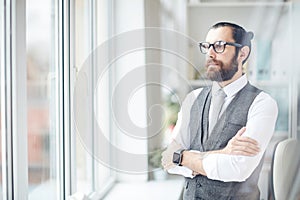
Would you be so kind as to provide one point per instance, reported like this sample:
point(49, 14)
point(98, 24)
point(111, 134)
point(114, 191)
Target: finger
point(246, 139)
point(241, 131)
point(195, 173)
point(243, 153)
point(166, 162)
point(244, 143)
point(240, 145)
point(246, 149)
point(169, 166)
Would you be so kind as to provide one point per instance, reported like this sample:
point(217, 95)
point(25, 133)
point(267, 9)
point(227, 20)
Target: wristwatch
point(177, 157)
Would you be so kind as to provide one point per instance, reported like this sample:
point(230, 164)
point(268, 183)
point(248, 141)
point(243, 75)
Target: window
point(91, 29)
point(56, 109)
point(46, 152)
point(41, 99)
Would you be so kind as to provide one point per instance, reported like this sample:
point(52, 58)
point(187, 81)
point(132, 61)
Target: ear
point(243, 54)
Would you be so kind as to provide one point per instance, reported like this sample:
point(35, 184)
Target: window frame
point(13, 99)
point(63, 102)
point(92, 43)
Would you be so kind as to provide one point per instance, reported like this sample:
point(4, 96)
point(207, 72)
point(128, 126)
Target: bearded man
point(223, 130)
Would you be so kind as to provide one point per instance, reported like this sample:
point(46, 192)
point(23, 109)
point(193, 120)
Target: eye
point(219, 46)
point(204, 45)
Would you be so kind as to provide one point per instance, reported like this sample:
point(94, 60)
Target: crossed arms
point(238, 145)
point(240, 157)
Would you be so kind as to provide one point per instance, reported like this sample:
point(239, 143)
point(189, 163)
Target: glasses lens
point(219, 46)
point(204, 46)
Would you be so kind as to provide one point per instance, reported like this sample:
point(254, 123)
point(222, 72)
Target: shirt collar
point(232, 88)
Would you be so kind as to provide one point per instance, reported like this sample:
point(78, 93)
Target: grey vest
point(233, 119)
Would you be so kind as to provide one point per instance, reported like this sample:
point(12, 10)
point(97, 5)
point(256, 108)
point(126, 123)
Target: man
point(219, 144)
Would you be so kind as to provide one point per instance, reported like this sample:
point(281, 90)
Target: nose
point(211, 52)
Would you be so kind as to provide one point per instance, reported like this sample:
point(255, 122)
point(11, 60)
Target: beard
point(226, 71)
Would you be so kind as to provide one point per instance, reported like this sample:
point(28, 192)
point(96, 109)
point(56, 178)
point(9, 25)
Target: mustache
point(212, 62)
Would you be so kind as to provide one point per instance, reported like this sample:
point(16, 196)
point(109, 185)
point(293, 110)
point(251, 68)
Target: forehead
point(221, 33)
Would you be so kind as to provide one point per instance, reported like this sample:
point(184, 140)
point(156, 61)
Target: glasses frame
point(213, 45)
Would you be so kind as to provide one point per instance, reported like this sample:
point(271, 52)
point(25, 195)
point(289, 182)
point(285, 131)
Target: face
point(221, 66)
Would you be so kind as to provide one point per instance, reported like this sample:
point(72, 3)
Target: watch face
point(176, 158)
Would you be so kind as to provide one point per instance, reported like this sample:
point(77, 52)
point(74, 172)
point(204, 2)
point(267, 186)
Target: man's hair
point(239, 34)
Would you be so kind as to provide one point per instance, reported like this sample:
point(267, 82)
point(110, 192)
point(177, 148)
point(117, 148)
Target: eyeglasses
point(218, 46)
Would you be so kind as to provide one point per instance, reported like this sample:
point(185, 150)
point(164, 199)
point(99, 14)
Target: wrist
point(178, 157)
point(188, 158)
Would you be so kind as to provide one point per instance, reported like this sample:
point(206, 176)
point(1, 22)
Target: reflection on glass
point(41, 108)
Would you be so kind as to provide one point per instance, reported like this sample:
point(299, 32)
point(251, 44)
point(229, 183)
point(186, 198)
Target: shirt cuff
point(181, 170)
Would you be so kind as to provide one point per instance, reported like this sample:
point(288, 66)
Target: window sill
point(161, 189)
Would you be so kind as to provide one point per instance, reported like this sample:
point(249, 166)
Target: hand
point(167, 155)
point(241, 145)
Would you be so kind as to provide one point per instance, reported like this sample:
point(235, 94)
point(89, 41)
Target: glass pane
point(84, 161)
point(102, 172)
point(90, 101)
point(41, 98)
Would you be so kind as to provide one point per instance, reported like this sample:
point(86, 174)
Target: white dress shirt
point(260, 126)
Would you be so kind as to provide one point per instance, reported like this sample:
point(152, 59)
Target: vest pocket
point(235, 125)
point(232, 128)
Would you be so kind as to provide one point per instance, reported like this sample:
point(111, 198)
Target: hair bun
point(250, 35)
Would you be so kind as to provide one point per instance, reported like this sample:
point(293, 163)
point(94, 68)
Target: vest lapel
point(235, 115)
point(235, 118)
point(199, 118)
